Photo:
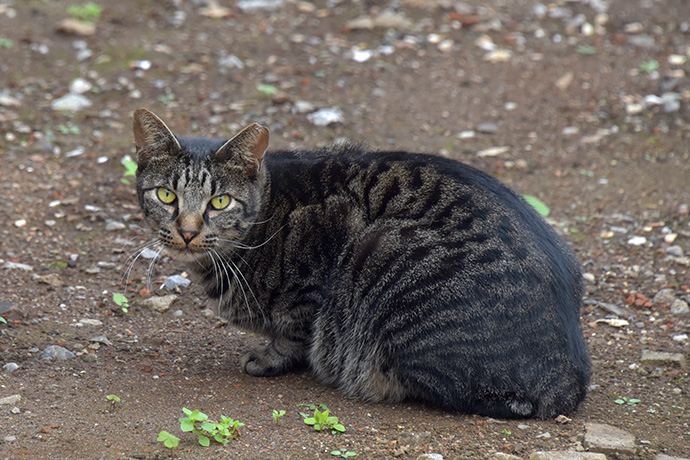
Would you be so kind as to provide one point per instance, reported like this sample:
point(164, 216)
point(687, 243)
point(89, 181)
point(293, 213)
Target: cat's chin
point(186, 256)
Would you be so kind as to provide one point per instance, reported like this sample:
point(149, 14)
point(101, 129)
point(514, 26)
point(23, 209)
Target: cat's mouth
point(186, 254)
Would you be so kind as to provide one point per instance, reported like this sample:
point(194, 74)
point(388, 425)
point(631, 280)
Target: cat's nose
point(188, 235)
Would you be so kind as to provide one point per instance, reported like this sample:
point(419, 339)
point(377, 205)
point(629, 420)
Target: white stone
point(567, 455)
point(608, 439)
point(71, 102)
point(14, 399)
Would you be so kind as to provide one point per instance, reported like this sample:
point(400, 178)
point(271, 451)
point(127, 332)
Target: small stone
point(10, 367)
point(171, 282)
point(413, 439)
point(504, 456)
point(671, 102)
point(249, 6)
point(17, 266)
point(71, 102)
point(545, 435)
point(114, 226)
point(430, 457)
point(637, 241)
point(91, 322)
point(71, 26)
point(160, 304)
point(230, 62)
point(567, 455)
point(665, 297)
point(608, 439)
point(14, 399)
point(642, 41)
point(663, 358)
point(51, 279)
point(56, 352)
point(80, 86)
point(488, 128)
point(9, 438)
point(675, 250)
point(178, 313)
point(682, 338)
point(100, 339)
point(327, 116)
point(12, 312)
point(668, 457)
point(679, 307)
point(302, 107)
point(209, 313)
point(16, 410)
point(360, 55)
point(493, 151)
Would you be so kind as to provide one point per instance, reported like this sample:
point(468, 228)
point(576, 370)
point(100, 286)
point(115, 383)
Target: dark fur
point(392, 275)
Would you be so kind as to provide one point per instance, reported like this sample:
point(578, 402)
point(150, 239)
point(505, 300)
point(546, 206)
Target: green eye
point(167, 196)
point(220, 201)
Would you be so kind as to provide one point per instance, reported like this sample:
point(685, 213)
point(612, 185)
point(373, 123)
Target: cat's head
point(198, 193)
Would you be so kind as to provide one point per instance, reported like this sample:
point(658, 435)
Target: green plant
point(625, 400)
point(197, 422)
point(268, 90)
point(277, 414)
point(6, 43)
point(167, 98)
point(322, 420)
point(88, 12)
point(130, 169)
point(113, 398)
point(170, 441)
point(344, 453)
point(586, 50)
point(68, 129)
point(649, 66)
point(508, 432)
point(121, 301)
point(3, 320)
point(538, 205)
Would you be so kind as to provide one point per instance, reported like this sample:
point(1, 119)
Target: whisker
point(239, 245)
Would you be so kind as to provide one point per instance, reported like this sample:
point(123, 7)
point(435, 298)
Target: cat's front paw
point(260, 363)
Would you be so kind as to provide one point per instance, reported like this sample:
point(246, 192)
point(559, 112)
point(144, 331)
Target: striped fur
point(391, 275)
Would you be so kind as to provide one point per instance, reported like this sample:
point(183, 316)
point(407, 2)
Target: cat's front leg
point(278, 357)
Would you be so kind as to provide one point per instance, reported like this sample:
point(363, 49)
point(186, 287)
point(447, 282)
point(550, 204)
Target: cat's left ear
point(248, 146)
point(151, 136)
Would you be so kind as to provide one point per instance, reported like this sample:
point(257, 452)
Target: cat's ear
point(151, 136)
point(248, 146)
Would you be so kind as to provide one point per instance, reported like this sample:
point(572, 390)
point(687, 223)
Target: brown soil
point(629, 180)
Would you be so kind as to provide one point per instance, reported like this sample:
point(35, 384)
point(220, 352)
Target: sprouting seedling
point(625, 400)
point(277, 414)
point(170, 441)
point(113, 398)
point(130, 169)
point(322, 420)
point(649, 66)
point(197, 422)
point(121, 301)
point(88, 12)
point(538, 205)
point(344, 453)
point(3, 320)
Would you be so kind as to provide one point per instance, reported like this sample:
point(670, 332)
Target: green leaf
point(633, 401)
point(186, 424)
point(114, 398)
point(120, 300)
point(268, 90)
point(619, 401)
point(208, 426)
point(538, 205)
point(649, 66)
point(310, 420)
point(349, 454)
point(586, 50)
point(336, 453)
point(130, 166)
point(338, 427)
point(170, 441)
point(3, 320)
point(204, 441)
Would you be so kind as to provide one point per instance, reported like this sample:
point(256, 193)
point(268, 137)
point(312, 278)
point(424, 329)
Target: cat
point(391, 275)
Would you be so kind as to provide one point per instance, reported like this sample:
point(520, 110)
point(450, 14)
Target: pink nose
point(188, 235)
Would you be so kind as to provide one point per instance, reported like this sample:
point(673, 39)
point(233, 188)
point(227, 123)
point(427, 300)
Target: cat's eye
point(221, 201)
point(166, 195)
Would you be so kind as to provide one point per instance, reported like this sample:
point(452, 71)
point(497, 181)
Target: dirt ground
point(584, 104)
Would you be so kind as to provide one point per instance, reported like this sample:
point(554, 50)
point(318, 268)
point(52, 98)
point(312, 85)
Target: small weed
point(130, 169)
point(344, 453)
point(268, 90)
point(3, 320)
point(113, 398)
point(277, 414)
point(121, 301)
point(586, 50)
point(170, 441)
point(197, 422)
point(508, 432)
point(649, 66)
point(625, 400)
point(321, 420)
point(88, 12)
point(6, 43)
point(166, 99)
point(68, 129)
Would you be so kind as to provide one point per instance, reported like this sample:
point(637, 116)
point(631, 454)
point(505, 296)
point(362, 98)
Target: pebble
point(10, 367)
point(567, 455)
point(327, 116)
point(100, 339)
point(231, 62)
point(430, 457)
point(488, 128)
point(665, 297)
point(608, 439)
point(91, 322)
point(71, 102)
point(80, 86)
point(637, 240)
point(493, 151)
point(680, 307)
point(160, 304)
point(668, 457)
point(9, 438)
point(249, 6)
point(56, 352)
point(114, 226)
point(17, 266)
point(178, 313)
point(680, 338)
point(504, 456)
point(642, 41)
point(14, 399)
point(171, 282)
point(663, 358)
point(302, 107)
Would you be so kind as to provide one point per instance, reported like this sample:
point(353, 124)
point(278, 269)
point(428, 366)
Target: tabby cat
point(392, 275)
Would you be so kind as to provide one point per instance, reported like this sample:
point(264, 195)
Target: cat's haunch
point(392, 275)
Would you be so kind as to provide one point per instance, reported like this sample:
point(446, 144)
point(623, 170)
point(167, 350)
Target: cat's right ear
point(151, 136)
